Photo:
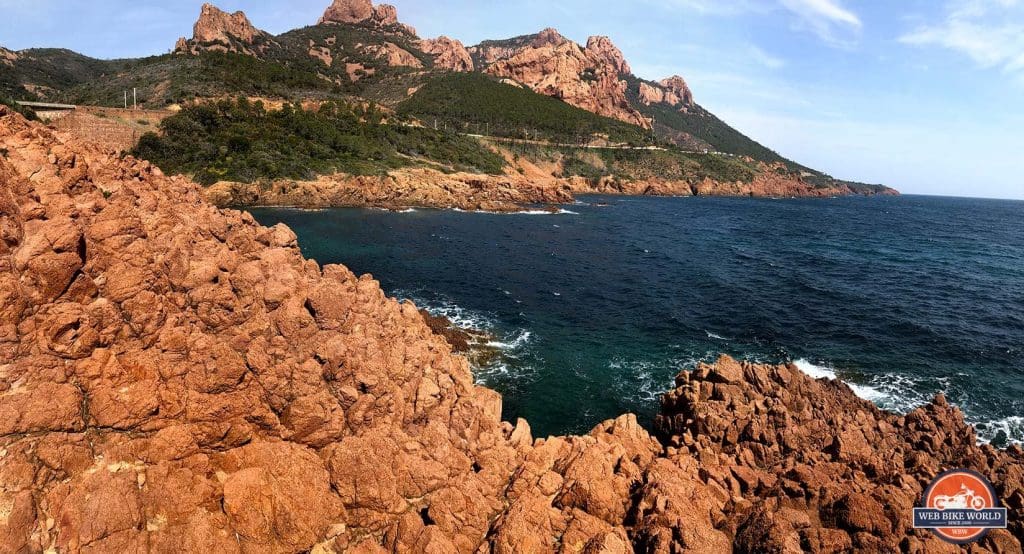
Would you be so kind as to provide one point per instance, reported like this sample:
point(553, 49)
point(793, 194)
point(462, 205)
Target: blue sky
point(923, 95)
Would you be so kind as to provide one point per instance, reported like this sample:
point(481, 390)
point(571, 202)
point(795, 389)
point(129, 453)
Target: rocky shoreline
point(175, 377)
point(512, 192)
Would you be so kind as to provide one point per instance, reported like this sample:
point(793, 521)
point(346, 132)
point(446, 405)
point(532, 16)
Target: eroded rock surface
point(178, 378)
point(595, 77)
point(217, 30)
point(588, 77)
point(364, 12)
point(672, 91)
point(448, 54)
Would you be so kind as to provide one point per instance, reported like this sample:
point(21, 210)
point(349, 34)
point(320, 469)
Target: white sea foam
point(901, 394)
point(867, 392)
point(512, 344)
point(1011, 427)
point(516, 342)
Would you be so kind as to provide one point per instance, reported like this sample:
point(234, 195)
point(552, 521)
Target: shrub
point(242, 141)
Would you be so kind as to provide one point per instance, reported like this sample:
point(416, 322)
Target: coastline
point(178, 377)
point(512, 192)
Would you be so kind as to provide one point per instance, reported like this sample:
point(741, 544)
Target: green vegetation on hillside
point(238, 140)
point(705, 129)
point(670, 164)
point(477, 103)
point(169, 79)
point(48, 72)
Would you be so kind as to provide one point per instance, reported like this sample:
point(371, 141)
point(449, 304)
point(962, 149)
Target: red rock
point(448, 54)
point(589, 78)
point(348, 11)
point(200, 386)
point(221, 31)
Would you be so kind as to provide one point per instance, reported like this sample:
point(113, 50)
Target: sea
point(595, 309)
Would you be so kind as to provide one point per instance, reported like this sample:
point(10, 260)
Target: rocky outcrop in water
point(178, 378)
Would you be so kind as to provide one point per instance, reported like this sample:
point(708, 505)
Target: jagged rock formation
point(590, 78)
point(393, 55)
point(216, 30)
point(174, 377)
point(449, 54)
point(363, 11)
point(595, 77)
point(672, 91)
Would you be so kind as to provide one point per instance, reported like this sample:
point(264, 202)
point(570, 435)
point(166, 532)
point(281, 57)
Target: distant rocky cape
point(177, 378)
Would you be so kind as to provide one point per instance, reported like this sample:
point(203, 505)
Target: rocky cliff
point(448, 54)
point(364, 12)
point(595, 77)
point(216, 30)
point(672, 91)
point(178, 378)
point(588, 77)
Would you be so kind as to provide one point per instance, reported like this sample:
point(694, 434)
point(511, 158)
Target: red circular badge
point(960, 489)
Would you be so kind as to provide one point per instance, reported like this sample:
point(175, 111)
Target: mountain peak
point(602, 48)
point(549, 37)
point(217, 26)
point(677, 92)
point(363, 11)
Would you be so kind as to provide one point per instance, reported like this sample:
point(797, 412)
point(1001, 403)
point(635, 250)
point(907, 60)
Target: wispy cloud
point(765, 59)
point(828, 19)
point(989, 32)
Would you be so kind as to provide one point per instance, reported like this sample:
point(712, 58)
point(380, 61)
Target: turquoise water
point(596, 310)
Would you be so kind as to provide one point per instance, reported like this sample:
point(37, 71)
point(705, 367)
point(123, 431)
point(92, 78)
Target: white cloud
point(989, 32)
point(765, 59)
point(827, 18)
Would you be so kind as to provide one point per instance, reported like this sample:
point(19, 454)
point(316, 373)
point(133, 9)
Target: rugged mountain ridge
point(174, 377)
point(592, 77)
point(362, 53)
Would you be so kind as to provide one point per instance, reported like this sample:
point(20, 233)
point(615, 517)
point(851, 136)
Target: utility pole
point(126, 99)
point(135, 100)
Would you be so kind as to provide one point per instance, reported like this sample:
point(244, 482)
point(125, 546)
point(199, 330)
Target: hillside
point(244, 141)
point(481, 104)
point(542, 86)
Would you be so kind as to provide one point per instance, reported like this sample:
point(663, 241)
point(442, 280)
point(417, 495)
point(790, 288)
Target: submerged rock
point(175, 377)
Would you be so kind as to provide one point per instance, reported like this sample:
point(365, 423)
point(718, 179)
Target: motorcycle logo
point(960, 506)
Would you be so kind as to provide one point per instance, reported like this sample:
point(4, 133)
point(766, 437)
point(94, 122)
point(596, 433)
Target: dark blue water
point(597, 310)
